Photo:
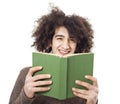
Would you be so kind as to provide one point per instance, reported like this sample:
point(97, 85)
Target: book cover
point(64, 71)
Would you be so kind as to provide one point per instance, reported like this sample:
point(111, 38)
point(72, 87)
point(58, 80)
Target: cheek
point(74, 46)
point(55, 45)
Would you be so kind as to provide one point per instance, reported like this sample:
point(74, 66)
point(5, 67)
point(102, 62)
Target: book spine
point(63, 78)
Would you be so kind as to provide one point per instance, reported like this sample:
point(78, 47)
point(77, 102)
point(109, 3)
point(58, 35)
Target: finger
point(33, 70)
point(42, 83)
point(85, 84)
point(76, 90)
point(80, 95)
point(93, 79)
point(41, 76)
point(41, 89)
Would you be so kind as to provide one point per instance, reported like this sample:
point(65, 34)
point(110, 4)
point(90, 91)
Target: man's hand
point(35, 83)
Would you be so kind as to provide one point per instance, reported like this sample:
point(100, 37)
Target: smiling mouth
point(64, 52)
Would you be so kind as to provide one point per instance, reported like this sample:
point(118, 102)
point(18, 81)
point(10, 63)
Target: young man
point(62, 35)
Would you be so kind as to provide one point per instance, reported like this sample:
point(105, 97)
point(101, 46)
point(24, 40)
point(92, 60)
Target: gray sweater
point(18, 96)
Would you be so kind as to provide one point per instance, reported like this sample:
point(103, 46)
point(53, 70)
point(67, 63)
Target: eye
point(73, 40)
point(59, 38)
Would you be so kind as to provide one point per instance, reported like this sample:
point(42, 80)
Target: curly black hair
point(77, 26)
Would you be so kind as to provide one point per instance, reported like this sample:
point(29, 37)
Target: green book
point(64, 71)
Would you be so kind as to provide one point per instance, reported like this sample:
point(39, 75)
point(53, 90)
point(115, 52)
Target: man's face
point(62, 44)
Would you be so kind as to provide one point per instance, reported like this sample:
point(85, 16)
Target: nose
point(66, 44)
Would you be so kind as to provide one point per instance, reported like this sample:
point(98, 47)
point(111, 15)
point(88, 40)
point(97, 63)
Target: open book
point(64, 71)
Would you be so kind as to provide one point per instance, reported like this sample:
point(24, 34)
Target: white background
point(16, 24)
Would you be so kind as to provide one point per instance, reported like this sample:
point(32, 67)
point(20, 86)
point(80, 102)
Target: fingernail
point(86, 76)
point(49, 76)
point(50, 82)
point(73, 89)
point(49, 88)
point(40, 67)
point(77, 81)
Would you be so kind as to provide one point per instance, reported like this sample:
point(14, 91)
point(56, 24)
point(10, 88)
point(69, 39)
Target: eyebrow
point(59, 35)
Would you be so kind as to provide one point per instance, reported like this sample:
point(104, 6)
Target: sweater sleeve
point(18, 96)
point(75, 100)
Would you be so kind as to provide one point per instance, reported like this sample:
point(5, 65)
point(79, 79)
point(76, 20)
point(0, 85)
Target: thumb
point(34, 69)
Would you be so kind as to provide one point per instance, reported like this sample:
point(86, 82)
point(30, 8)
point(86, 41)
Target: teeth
point(63, 52)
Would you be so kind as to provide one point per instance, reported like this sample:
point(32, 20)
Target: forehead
point(63, 31)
